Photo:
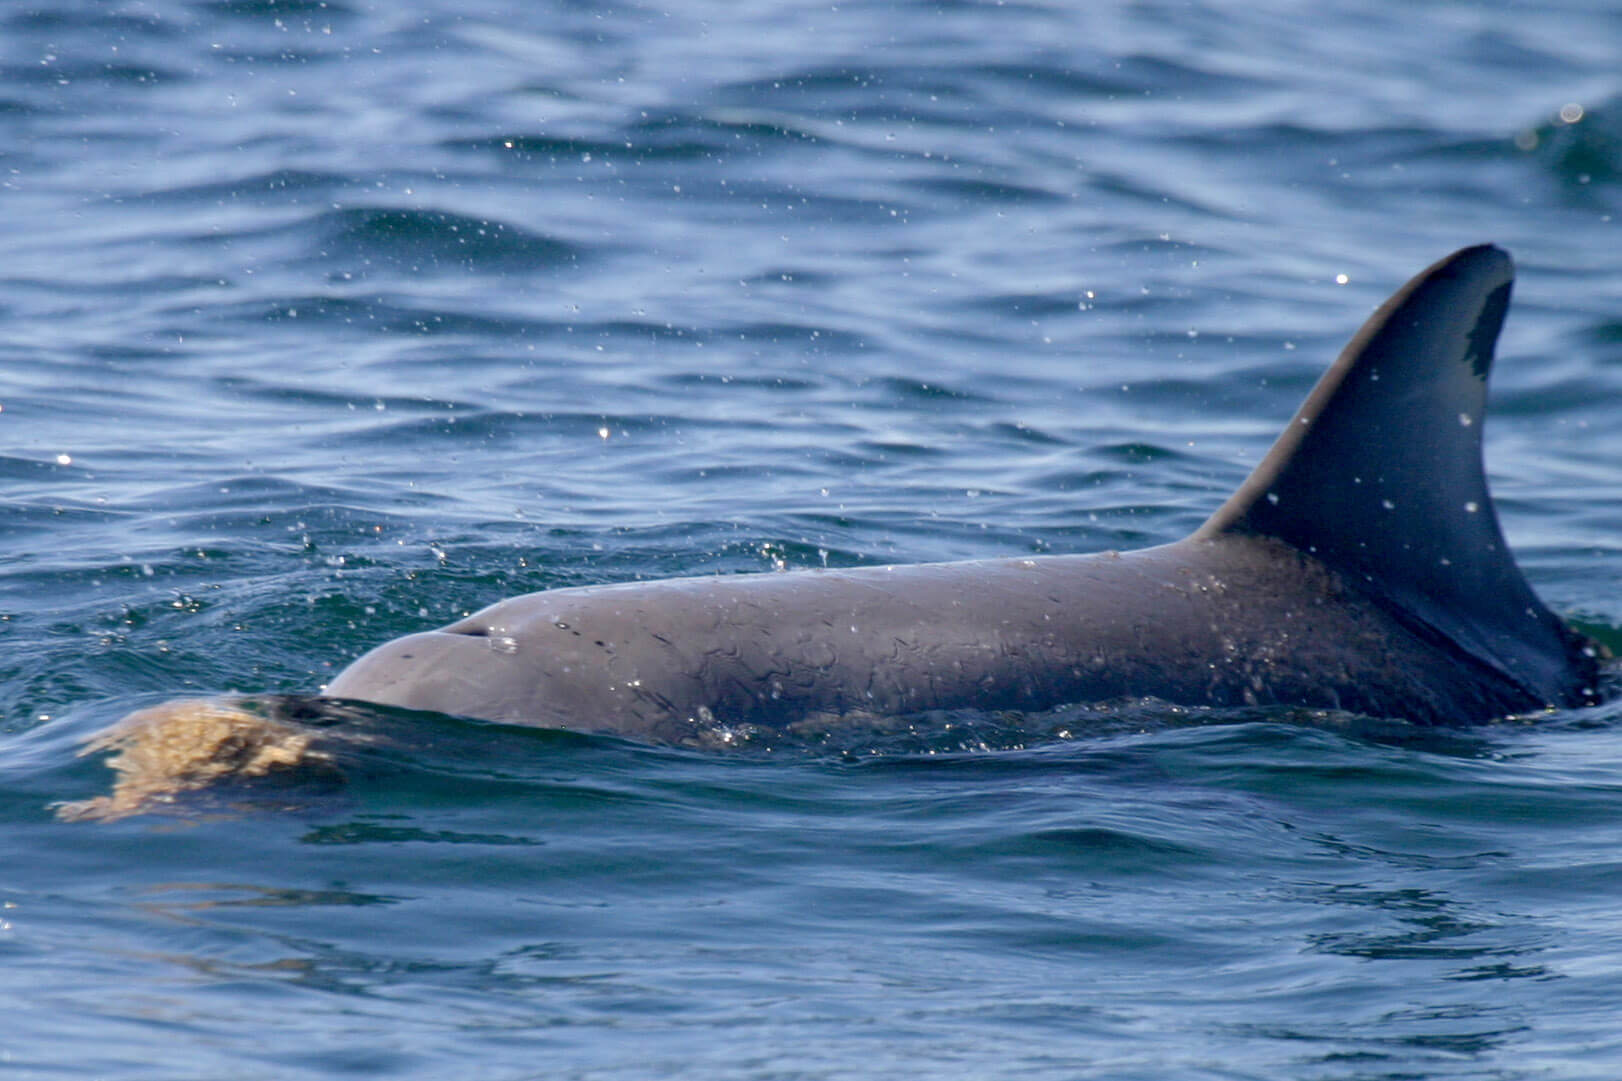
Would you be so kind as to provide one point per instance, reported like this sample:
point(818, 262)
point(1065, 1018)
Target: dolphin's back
point(1360, 566)
point(1225, 621)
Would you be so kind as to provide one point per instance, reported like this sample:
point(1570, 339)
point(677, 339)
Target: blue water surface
point(325, 322)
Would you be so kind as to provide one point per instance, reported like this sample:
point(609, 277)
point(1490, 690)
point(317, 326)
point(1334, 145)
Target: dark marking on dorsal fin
point(1379, 475)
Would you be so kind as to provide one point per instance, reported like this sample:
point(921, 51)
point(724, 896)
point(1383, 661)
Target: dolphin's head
point(526, 660)
point(466, 673)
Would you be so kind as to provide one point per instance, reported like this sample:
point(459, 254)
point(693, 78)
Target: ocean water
point(324, 322)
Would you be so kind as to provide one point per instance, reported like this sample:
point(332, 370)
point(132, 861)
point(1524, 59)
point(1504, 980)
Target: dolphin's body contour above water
point(1360, 567)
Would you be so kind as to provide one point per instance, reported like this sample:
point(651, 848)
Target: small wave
point(275, 9)
point(265, 187)
point(422, 241)
point(1580, 146)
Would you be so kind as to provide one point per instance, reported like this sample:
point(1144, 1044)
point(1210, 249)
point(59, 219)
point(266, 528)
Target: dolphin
point(1360, 568)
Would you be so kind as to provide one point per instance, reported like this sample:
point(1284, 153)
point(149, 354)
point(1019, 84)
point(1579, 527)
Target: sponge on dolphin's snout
point(191, 744)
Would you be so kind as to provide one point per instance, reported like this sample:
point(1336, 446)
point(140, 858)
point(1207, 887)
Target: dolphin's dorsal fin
point(1379, 476)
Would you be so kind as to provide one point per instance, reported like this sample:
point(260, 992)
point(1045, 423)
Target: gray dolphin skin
point(1359, 568)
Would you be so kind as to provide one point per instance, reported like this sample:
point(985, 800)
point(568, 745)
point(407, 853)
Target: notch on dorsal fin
point(1379, 476)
